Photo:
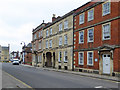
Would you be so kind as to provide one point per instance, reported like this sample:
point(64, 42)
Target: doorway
point(106, 64)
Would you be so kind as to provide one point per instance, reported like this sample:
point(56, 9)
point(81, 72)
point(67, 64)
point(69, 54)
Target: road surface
point(39, 78)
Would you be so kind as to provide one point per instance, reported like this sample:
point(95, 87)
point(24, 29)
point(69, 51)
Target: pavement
point(106, 77)
point(8, 81)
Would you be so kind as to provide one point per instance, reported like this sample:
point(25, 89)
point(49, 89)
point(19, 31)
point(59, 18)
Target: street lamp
point(23, 49)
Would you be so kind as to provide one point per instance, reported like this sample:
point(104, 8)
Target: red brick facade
point(28, 54)
point(98, 46)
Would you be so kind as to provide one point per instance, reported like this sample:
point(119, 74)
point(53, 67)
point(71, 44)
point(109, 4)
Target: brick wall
point(115, 34)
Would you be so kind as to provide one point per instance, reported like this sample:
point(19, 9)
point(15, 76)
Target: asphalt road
point(39, 78)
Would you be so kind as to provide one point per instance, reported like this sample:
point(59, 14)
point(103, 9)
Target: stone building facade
point(5, 54)
point(58, 42)
point(97, 38)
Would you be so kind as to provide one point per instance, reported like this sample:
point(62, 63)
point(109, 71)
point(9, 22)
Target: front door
point(106, 64)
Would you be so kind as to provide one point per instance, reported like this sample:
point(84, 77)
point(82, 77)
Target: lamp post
point(23, 49)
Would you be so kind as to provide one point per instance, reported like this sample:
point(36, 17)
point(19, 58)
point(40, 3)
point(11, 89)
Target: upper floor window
point(90, 14)
point(34, 47)
point(81, 18)
point(106, 8)
point(50, 31)
point(40, 45)
point(47, 44)
point(65, 56)
point(46, 33)
point(50, 42)
point(90, 35)
point(60, 57)
point(60, 27)
point(81, 37)
point(66, 24)
point(41, 33)
point(60, 40)
point(106, 31)
point(81, 58)
point(89, 58)
point(66, 39)
point(35, 36)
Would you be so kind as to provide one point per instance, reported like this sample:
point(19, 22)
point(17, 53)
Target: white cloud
point(19, 17)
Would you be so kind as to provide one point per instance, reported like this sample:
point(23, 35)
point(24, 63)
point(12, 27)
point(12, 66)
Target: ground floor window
point(39, 58)
point(65, 56)
point(60, 56)
point(90, 58)
point(81, 58)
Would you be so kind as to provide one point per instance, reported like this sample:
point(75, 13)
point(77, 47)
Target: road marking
point(98, 87)
point(19, 80)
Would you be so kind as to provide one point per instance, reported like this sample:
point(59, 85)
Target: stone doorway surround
point(49, 59)
point(106, 49)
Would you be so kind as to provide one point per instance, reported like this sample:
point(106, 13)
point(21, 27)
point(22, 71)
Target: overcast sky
point(19, 17)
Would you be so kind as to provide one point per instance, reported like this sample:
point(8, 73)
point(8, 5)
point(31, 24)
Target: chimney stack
point(53, 18)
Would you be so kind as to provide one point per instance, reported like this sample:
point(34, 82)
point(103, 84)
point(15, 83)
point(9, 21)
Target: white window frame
point(80, 58)
point(47, 33)
point(65, 39)
point(46, 43)
point(60, 58)
point(65, 55)
point(90, 17)
point(88, 39)
point(83, 18)
point(88, 58)
point(66, 24)
point(50, 31)
point(60, 27)
point(60, 40)
point(80, 36)
point(103, 11)
point(103, 31)
point(50, 43)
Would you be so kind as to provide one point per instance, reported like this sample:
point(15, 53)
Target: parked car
point(15, 62)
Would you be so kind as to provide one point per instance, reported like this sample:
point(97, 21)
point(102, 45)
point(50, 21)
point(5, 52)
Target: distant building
point(5, 53)
point(26, 54)
point(15, 55)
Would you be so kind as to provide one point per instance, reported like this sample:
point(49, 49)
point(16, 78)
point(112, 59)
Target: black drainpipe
point(73, 46)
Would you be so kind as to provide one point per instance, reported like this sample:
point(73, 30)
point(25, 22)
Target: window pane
point(90, 58)
point(80, 58)
point(90, 35)
point(106, 8)
point(106, 31)
point(81, 37)
point(81, 19)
